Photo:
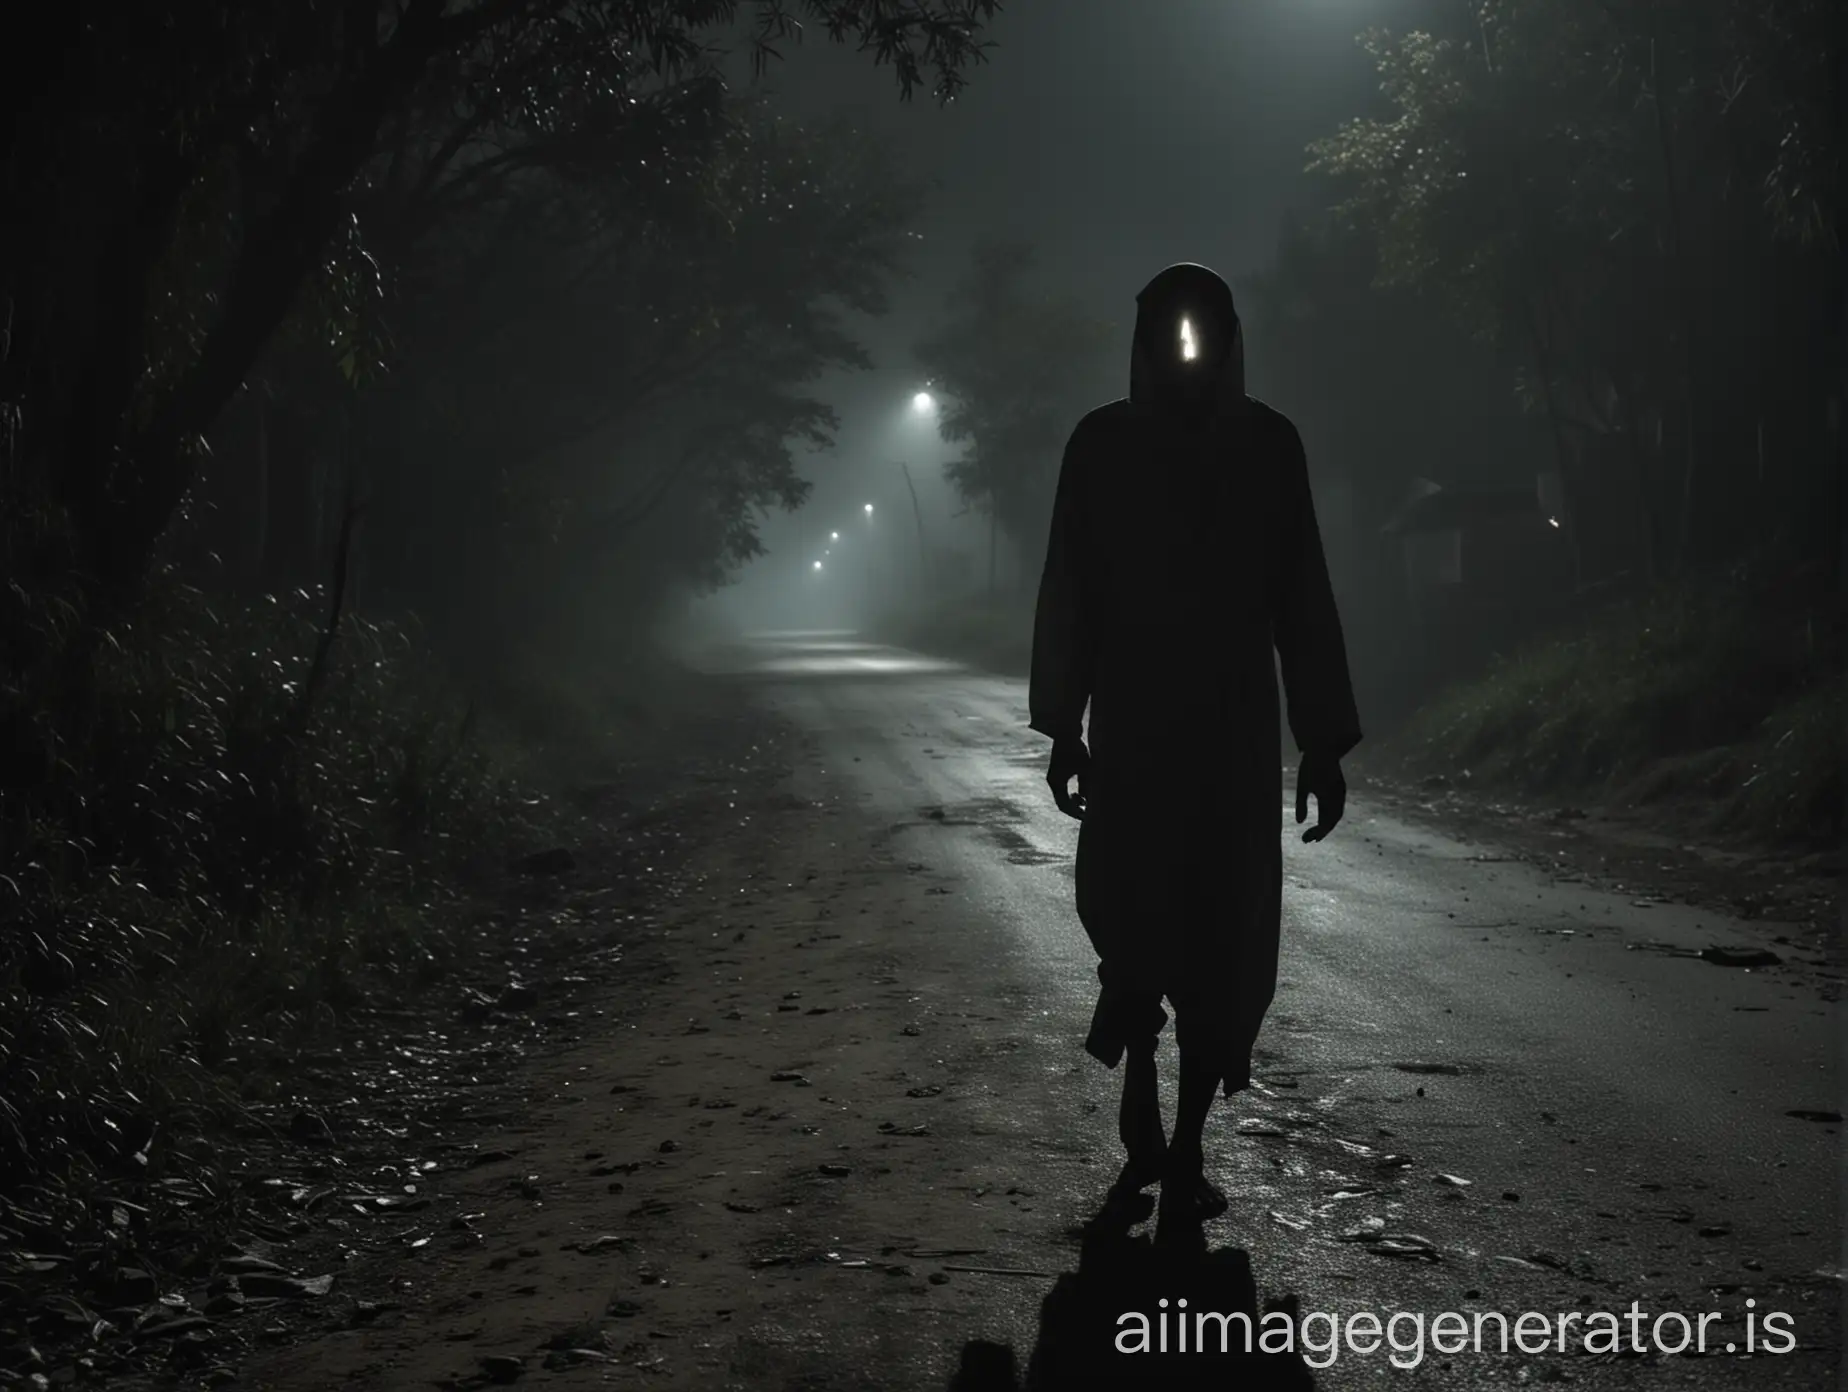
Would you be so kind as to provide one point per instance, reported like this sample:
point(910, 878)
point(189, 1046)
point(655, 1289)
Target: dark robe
point(1183, 549)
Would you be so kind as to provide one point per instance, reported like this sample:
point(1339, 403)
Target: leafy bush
point(205, 833)
point(1792, 785)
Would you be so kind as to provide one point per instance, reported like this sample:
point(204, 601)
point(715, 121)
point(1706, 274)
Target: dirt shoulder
point(1655, 854)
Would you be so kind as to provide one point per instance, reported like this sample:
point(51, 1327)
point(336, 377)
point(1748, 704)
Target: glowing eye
point(1189, 349)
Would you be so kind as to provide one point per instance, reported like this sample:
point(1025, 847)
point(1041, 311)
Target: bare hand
point(1070, 759)
point(1321, 779)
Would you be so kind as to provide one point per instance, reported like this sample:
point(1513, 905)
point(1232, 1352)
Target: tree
point(1607, 187)
point(1017, 369)
point(584, 356)
point(1385, 384)
point(190, 174)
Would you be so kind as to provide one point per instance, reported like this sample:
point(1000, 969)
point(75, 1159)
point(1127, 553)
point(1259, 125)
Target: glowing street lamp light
point(869, 509)
point(817, 565)
point(922, 402)
point(834, 536)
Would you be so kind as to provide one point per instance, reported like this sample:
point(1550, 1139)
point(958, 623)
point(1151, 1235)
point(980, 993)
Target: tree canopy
point(1017, 367)
point(195, 184)
point(1640, 199)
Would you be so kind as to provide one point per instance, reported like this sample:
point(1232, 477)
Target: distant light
point(923, 401)
point(1189, 349)
point(1552, 521)
point(817, 565)
point(834, 536)
point(869, 509)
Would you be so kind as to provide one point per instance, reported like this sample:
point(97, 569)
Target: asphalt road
point(1619, 1111)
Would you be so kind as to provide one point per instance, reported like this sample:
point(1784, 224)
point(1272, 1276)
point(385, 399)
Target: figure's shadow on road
point(1080, 1324)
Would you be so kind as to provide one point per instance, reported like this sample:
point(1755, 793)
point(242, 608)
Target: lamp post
point(917, 512)
point(922, 404)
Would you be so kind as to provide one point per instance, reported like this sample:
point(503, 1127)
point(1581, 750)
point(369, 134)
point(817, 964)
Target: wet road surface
point(1529, 1074)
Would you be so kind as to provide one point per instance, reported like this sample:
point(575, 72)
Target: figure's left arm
point(1307, 629)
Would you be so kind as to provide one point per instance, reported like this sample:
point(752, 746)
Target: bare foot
point(1187, 1195)
point(1124, 1206)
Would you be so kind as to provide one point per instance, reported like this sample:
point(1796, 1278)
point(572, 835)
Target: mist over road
point(1619, 1109)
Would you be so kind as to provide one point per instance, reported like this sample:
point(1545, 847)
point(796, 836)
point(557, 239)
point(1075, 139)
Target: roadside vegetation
point(225, 830)
point(1724, 700)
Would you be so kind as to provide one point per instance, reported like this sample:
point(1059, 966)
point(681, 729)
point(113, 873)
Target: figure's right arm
point(1060, 685)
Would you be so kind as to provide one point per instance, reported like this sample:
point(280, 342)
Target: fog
point(1564, 479)
point(1108, 181)
point(558, 559)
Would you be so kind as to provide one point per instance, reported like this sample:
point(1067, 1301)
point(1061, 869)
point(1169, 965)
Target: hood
point(1189, 350)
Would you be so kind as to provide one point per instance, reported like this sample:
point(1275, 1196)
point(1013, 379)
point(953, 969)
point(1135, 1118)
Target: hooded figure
point(1183, 551)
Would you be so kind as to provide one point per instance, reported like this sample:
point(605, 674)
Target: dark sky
point(1118, 136)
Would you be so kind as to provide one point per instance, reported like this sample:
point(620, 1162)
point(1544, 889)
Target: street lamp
point(869, 509)
point(922, 402)
point(834, 536)
point(817, 565)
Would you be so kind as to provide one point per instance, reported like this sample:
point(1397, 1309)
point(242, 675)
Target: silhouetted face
point(1186, 351)
point(1184, 327)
